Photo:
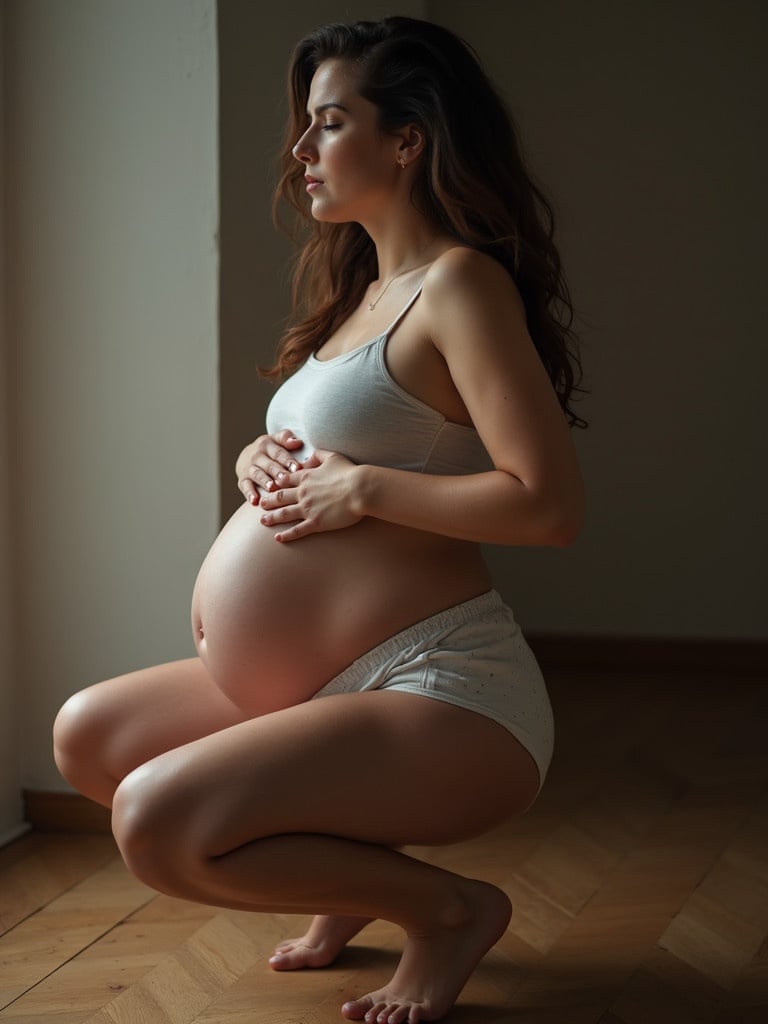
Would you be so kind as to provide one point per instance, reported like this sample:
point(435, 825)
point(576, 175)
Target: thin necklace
point(377, 300)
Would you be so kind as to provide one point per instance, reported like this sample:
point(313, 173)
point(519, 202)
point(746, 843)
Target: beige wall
point(646, 122)
point(112, 299)
point(10, 801)
point(642, 122)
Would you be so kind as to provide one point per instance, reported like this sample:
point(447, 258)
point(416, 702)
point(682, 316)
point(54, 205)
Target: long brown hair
point(473, 182)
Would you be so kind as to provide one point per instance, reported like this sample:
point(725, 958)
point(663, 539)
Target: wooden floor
point(639, 880)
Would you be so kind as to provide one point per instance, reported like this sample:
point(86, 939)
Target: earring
point(401, 161)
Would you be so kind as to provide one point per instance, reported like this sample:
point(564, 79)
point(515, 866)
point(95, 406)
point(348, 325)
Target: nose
point(302, 150)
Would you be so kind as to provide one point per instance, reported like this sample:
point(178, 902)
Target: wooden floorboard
point(639, 881)
point(36, 869)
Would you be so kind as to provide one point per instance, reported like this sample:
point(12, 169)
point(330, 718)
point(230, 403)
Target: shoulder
point(461, 262)
point(465, 287)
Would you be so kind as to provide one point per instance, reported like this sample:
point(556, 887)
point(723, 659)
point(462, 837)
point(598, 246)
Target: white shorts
point(472, 655)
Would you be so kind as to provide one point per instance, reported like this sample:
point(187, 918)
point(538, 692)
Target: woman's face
point(350, 166)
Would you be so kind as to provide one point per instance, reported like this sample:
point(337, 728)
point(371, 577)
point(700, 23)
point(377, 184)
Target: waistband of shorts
point(425, 629)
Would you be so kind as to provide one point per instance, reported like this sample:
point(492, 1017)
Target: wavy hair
point(472, 181)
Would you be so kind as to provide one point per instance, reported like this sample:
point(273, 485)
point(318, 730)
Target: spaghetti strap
point(403, 311)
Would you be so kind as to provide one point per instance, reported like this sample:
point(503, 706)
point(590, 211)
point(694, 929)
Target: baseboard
point(64, 812)
point(640, 654)
point(10, 835)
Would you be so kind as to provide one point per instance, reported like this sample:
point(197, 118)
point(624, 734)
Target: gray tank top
point(352, 405)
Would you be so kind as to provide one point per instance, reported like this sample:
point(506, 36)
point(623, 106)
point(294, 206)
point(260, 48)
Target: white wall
point(646, 123)
point(112, 303)
point(10, 797)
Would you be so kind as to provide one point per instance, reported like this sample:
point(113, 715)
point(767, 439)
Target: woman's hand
point(318, 497)
point(266, 463)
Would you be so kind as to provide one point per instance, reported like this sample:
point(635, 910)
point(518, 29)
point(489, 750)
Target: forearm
point(493, 507)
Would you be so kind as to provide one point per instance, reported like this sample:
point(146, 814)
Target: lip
point(312, 182)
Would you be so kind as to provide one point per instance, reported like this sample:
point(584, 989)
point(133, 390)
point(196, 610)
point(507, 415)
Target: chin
point(328, 217)
point(327, 214)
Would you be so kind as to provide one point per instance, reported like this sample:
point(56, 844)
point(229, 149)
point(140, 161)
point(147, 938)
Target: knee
point(75, 738)
point(151, 828)
point(138, 825)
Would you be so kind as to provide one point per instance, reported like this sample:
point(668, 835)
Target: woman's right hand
point(261, 463)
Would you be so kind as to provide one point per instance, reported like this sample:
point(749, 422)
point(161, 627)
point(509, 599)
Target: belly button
point(201, 632)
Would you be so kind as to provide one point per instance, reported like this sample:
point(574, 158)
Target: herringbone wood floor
point(639, 880)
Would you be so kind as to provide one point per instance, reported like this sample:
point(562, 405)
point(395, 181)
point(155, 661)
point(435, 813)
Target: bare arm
point(493, 508)
point(534, 496)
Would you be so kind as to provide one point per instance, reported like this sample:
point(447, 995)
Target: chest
point(410, 357)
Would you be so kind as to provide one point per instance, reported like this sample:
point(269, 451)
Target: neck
point(404, 243)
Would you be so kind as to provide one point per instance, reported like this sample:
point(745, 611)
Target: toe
point(356, 1009)
point(399, 1015)
point(281, 961)
point(291, 959)
point(285, 947)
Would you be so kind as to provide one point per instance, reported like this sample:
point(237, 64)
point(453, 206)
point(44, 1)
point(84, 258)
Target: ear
point(411, 143)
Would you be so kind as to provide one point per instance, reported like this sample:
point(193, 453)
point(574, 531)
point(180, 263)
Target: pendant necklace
point(374, 304)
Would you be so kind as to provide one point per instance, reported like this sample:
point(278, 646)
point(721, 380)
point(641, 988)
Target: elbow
point(564, 533)
point(563, 521)
point(567, 510)
point(554, 516)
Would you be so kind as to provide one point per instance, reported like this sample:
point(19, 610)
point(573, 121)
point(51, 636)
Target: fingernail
point(281, 476)
point(294, 467)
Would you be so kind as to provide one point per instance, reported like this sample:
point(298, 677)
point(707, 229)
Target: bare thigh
point(381, 767)
point(107, 730)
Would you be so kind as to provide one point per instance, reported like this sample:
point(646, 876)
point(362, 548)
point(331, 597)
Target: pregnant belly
point(247, 609)
point(274, 622)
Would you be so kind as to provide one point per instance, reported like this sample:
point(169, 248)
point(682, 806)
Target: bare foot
point(326, 938)
point(436, 964)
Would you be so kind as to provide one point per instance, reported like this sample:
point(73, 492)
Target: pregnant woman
point(358, 685)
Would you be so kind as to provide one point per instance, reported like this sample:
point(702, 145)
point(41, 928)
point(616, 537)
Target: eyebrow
point(327, 106)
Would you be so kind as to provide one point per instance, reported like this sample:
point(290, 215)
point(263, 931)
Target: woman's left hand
point(317, 498)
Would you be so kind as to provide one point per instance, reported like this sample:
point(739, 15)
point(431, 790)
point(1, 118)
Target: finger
point(269, 474)
point(290, 480)
point(279, 499)
point(287, 439)
point(282, 462)
point(285, 514)
point(262, 478)
point(249, 491)
point(288, 477)
point(322, 455)
point(302, 529)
